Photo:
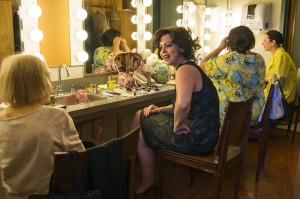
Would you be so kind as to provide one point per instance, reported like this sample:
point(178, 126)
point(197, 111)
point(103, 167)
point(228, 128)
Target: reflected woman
point(111, 43)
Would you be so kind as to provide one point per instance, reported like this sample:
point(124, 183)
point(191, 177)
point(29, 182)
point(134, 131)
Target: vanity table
point(120, 108)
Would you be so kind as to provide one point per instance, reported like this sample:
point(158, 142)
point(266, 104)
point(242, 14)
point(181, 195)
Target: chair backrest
point(65, 179)
point(235, 130)
point(129, 151)
point(130, 142)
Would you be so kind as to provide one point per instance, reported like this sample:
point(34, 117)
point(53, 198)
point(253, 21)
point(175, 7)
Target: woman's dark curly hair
point(241, 39)
point(275, 35)
point(182, 37)
point(108, 37)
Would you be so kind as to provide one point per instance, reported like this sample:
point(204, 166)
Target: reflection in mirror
point(102, 16)
point(55, 30)
point(9, 28)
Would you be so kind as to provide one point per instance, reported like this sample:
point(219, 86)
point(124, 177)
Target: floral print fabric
point(237, 77)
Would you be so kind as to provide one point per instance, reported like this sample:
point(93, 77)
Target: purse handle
point(280, 88)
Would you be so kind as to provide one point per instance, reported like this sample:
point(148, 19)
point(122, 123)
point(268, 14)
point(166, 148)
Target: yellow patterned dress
point(237, 77)
point(282, 65)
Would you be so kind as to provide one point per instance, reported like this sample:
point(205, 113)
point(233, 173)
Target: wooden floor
point(277, 179)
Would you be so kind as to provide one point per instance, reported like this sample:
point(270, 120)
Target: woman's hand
point(182, 129)
point(151, 109)
point(224, 43)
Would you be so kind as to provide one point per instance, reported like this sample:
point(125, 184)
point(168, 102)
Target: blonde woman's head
point(24, 79)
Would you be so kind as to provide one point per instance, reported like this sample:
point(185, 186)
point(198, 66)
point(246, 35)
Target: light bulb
point(35, 11)
point(179, 9)
point(133, 36)
point(191, 22)
point(82, 56)
point(133, 19)
point(133, 3)
point(36, 35)
point(207, 36)
point(207, 24)
point(146, 53)
point(206, 49)
point(147, 18)
point(192, 8)
point(147, 3)
point(208, 11)
point(179, 22)
point(81, 14)
point(81, 35)
point(147, 35)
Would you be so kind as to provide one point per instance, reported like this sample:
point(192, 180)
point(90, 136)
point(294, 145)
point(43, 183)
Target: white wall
point(236, 7)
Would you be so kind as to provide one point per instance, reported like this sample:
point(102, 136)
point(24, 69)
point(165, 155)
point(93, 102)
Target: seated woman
point(281, 65)
point(30, 132)
point(191, 124)
point(111, 42)
point(239, 73)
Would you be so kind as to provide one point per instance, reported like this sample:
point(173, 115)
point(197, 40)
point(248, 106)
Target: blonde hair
point(24, 79)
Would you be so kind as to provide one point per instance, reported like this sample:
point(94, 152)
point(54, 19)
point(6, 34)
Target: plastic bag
point(277, 108)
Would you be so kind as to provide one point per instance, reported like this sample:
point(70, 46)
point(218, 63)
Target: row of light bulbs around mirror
point(36, 35)
point(191, 8)
point(145, 19)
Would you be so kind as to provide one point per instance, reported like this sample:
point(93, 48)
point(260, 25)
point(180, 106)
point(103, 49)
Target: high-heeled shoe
point(143, 194)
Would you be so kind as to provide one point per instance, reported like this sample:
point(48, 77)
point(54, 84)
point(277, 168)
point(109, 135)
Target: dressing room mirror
point(49, 30)
point(101, 16)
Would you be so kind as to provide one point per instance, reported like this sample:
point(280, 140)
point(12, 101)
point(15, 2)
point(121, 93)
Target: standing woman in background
point(30, 132)
point(281, 65)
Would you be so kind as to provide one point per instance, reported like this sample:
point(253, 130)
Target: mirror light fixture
point(36, 35)
point(81, 14)
point(82, 56)
point(133, 19)
point(147, 35)
point(191, 8)
point(179, 22)
point(81, 35)
point(133, 3)
point(147, 3)
point(147, 18)
point(207, 36)
point(191, 22)
point(133, 36)
point(206, 49)
point(146, 53)
point(208, 11)
point(35, 11)
point(179, 9)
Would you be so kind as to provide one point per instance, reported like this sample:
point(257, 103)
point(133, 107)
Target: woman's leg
point(146, 157)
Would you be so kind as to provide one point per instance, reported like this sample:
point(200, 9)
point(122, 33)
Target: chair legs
point(295, 126)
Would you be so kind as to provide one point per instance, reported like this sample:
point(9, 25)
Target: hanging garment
point(100, 25)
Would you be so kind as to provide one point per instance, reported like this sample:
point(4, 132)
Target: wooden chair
point(261, 132)
point(130, 142)
point(65, 181)
point(230, 150)
point(295, 109)
point(295, 112)
point(64, 178)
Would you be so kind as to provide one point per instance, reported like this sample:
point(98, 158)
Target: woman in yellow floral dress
point(239, 73)
point(281, 65)
point(111, 42)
